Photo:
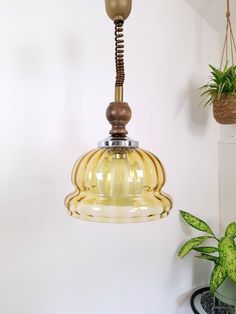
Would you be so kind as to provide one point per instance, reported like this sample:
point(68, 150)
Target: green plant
point(225, 261)
point(221, 82)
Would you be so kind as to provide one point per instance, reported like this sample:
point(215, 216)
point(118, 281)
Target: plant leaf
point(209, 101)
point(196, 222)
point(214, 259)
point(214, 69)
point(208, 91)
point(227, 251)
point(207, 249)
point(217, 277)
point(231, 230)
point(191, 244)
point(221, 89)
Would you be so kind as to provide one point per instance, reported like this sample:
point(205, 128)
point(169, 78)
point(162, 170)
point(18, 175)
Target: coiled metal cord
point(119, 53)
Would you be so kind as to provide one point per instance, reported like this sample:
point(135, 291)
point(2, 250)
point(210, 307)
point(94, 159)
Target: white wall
point(56, 72)
point(227, 163)
point(214, 11)
point(227, 175)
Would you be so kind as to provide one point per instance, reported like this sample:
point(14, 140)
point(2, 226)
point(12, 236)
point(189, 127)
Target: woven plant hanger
point(229, 48)
point(224, 109)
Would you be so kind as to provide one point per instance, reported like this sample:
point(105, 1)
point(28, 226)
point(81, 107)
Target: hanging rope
point(229, 48)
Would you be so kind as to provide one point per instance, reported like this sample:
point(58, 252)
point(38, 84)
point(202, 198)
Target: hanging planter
point(224, 109)
point(221, 92)
point(221, 88)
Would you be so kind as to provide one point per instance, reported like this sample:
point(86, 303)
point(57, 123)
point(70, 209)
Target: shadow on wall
point(200, 273)
point(184, 299)
point(201, 270)
point(197, 117)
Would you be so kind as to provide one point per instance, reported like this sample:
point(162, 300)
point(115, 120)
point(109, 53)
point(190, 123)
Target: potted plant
point(223, 255)
point(221, 92)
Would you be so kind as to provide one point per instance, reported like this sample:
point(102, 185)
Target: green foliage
point(231, 230)
point(196, 222)
point(221, 82)
point(217, 277)
point(211, 258)
point(207, 249)
point(225, 262)
point(190, 245)
point(227, 253)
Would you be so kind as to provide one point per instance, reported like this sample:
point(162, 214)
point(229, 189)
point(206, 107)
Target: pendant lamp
point(118, 182)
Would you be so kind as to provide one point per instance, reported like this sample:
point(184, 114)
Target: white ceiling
point(214, 11)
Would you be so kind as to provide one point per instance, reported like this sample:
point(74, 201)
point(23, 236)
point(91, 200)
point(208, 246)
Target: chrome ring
point(113, 141)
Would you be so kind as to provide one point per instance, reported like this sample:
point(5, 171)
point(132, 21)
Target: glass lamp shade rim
point(117, 220)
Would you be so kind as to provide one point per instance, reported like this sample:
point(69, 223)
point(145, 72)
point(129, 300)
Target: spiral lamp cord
point(119, 53)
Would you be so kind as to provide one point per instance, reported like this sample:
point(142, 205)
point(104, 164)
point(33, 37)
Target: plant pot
point(226, 292)
point(224, 109)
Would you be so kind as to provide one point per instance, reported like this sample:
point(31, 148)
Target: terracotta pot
point(224, 109)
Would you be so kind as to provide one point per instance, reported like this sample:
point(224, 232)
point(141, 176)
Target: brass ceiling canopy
point(118, 182)
point(118, 9)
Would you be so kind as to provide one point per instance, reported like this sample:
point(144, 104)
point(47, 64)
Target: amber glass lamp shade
point(118, 185)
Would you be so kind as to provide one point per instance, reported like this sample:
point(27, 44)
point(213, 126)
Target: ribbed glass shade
point(119, 185)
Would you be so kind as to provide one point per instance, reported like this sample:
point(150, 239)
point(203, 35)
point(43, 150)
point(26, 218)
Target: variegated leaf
point(207, 249)
point(196, 223)
point(214, 259)
point(217, 277)
point(191, 244)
